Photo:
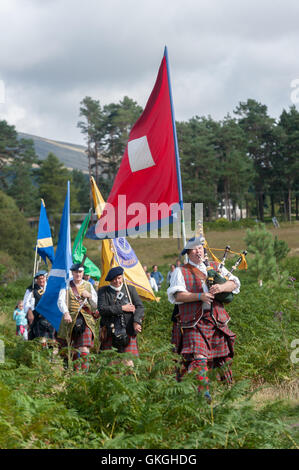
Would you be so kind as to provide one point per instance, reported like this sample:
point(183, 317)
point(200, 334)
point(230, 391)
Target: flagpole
point(34, 266)
point(35, 255)
point(117, 259)
point(176, 148)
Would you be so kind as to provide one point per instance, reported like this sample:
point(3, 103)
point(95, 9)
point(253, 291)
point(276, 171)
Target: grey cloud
point(221, 52)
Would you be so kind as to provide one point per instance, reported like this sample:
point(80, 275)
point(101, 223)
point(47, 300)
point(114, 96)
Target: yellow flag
point(118, 252)
point(243, 264)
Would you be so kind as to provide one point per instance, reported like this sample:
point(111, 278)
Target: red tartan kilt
point(207, 340)
point(131, 348)
point(86, 340)
point(176, 336)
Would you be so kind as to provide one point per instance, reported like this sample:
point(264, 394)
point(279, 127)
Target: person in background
point(19, 316)
point(152, 282)
point(78, 306)
point(122, 312)
point(159, 278)
point(172, 268)
point(39, 326)
point(87, 277)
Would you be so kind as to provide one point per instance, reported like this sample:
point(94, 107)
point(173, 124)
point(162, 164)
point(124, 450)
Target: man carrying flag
point(60, 272)
point(118, 252)
point(122, 286)
point(121, 312)
point(78, 305)
point(39, 326)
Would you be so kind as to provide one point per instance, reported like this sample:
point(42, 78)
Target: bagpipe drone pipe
point(214, 276)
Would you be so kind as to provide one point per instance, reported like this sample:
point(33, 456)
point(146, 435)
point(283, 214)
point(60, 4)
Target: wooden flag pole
point(34, 266)
point(117, 260)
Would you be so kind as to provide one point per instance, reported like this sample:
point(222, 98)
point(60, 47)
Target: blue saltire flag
point(44, 239)
point(59, 275)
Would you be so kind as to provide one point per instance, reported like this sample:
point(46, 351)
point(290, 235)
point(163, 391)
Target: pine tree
point(266, 253)
point(235, 169)
point(259, 128)
point(289, 153)
point(199, 161)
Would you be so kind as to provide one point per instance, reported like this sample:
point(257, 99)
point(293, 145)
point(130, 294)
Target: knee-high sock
point(85, 363)
point(200, 365)
point(76, 359)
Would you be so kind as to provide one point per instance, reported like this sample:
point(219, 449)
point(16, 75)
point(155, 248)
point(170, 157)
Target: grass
point(165, 251)
point(44, 406)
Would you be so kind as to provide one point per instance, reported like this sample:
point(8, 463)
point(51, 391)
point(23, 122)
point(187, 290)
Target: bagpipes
point(214, 277)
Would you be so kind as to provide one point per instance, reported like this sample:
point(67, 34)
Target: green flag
point(79, 251)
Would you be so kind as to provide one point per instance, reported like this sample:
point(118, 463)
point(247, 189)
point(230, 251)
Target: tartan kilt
point(208, 340)
point(85, 340)
point(176, 337)
point(131, 348)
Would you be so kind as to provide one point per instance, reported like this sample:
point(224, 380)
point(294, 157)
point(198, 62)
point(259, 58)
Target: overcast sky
point(53, 53)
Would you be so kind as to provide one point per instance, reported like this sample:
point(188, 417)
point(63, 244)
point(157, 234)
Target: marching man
point(203, 340)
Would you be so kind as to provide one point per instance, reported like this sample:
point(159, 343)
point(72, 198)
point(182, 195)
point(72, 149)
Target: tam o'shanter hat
point(192, 243)
point(116, 271)
point(77, 267)
point(40, 273)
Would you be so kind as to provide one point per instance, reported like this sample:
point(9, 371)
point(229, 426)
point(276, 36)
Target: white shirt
point(153, 284)
point(62, 305)
point(177, 281)
point(29, 300)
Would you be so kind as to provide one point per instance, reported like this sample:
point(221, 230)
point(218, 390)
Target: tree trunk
point(241, 208)
point(297, 207)
point(272, 205)
point(89, 170)
point(96, 164)
point(289, 205)
point(261, 206)
point(227, 202)
point(221, 206)
point(247, 208)
point(285, 209)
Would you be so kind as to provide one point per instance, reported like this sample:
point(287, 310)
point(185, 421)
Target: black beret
point(116, 271)
point(77, 267)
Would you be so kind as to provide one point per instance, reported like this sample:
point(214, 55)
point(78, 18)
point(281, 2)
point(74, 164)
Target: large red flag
point(149, 174)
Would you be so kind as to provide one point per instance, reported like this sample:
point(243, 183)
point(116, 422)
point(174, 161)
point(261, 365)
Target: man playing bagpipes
point(200, 333)
point(78, 305)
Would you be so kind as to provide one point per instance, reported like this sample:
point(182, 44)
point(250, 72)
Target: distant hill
point(71, 155)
